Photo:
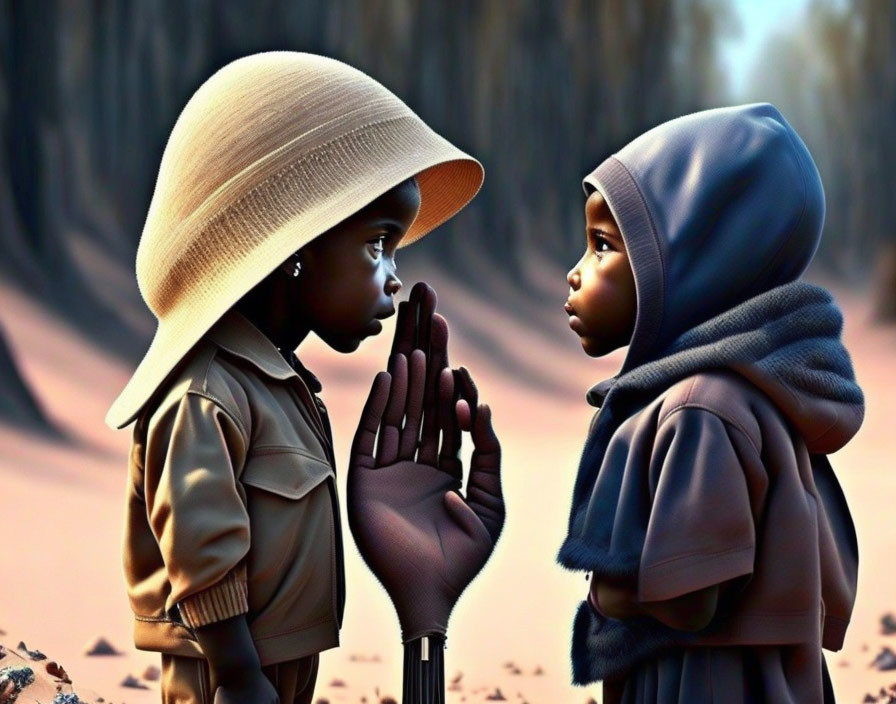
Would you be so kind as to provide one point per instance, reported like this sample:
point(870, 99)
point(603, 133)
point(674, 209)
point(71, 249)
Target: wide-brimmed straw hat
point(270, 152)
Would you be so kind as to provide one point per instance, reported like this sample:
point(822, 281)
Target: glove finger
point(426, 306)
point(449, 455)
point(468, 391)
point(414, 408)
point(484, 492)
point(365, 437)
point(390, 429)
point(405, 330)
point(465, 518)
point(436, 361)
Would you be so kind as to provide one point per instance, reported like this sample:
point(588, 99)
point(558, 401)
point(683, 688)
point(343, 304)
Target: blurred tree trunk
point(875, 198)
point(835, 79)
point(17, 404)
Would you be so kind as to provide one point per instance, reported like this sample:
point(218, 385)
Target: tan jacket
point(232, 505)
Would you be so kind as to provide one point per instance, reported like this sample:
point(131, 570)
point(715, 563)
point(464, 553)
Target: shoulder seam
point(721, 416)
point(218, 402)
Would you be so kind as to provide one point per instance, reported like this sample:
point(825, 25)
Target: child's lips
point(574, 320)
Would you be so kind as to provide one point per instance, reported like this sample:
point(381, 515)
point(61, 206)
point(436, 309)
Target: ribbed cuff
point(226, 599)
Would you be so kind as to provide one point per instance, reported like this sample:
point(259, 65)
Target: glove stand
point(424, 670)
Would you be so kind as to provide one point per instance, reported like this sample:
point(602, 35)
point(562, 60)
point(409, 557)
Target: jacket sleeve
point(701, 528)
point(197, 511)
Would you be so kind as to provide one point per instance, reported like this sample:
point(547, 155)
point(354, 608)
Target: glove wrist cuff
point(424, 669)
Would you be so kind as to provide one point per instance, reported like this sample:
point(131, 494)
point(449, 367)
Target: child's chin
point(593, 348)
point(345, 345)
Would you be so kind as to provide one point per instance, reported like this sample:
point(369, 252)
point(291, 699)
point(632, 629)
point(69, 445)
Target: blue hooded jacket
point(721, 211)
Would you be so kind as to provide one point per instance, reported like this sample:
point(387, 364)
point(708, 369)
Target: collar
point(235, 333)
point(597, 393)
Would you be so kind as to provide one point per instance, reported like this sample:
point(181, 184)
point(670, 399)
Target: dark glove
point(422, 538)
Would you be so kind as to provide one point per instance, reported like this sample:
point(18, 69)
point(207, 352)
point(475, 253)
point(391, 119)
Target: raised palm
point(418, 533)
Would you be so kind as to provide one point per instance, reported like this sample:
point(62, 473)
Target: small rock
point(359, 657)
point(337, 682)
point(885, 660)
point(57, 671)
point(33, 654)
point(133, 683)
point(496, 696)
point(888, 624)
point(102, 647)
point(18, 677)
point(71, 698)
point(152, 673)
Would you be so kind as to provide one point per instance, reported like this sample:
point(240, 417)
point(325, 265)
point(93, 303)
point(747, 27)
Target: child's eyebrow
point(391, 226)
point(605, 233)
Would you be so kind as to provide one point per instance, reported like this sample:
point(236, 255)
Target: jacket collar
point(236, 334)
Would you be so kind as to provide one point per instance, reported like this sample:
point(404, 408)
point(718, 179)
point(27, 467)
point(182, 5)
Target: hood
point(714, 208)
point(721, 211)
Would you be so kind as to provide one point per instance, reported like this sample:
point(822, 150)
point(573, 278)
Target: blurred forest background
point(540, 92)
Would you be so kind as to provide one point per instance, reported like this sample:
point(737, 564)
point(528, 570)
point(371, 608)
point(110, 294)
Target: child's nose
point(574, 279)
point(393, 285)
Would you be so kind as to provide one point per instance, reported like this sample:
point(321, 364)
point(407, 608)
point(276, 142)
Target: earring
point(295, 269)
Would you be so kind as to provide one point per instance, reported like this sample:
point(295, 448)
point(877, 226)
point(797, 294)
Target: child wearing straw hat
point(287, 184)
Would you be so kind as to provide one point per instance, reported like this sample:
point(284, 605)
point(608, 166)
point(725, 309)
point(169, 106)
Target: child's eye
point(378, 244)
point(601, 246)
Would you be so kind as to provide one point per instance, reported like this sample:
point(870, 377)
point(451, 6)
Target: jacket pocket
point(291, 587)
point(286, 471)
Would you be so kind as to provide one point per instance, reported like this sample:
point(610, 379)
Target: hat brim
point(448, 179)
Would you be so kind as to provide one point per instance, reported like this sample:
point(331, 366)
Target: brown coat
point(711, 483)
point(232, 505)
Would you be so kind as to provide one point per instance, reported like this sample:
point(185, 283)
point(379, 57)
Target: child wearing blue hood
point(722, 550)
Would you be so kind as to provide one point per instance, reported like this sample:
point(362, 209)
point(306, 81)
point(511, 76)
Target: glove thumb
point(465, 517)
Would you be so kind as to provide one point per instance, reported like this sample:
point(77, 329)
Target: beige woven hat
point(271, 151)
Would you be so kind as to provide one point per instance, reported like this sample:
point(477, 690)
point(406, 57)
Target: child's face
point(348, 274)
point(602, 303)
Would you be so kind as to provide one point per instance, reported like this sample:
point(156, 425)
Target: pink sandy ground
point(61, 517)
